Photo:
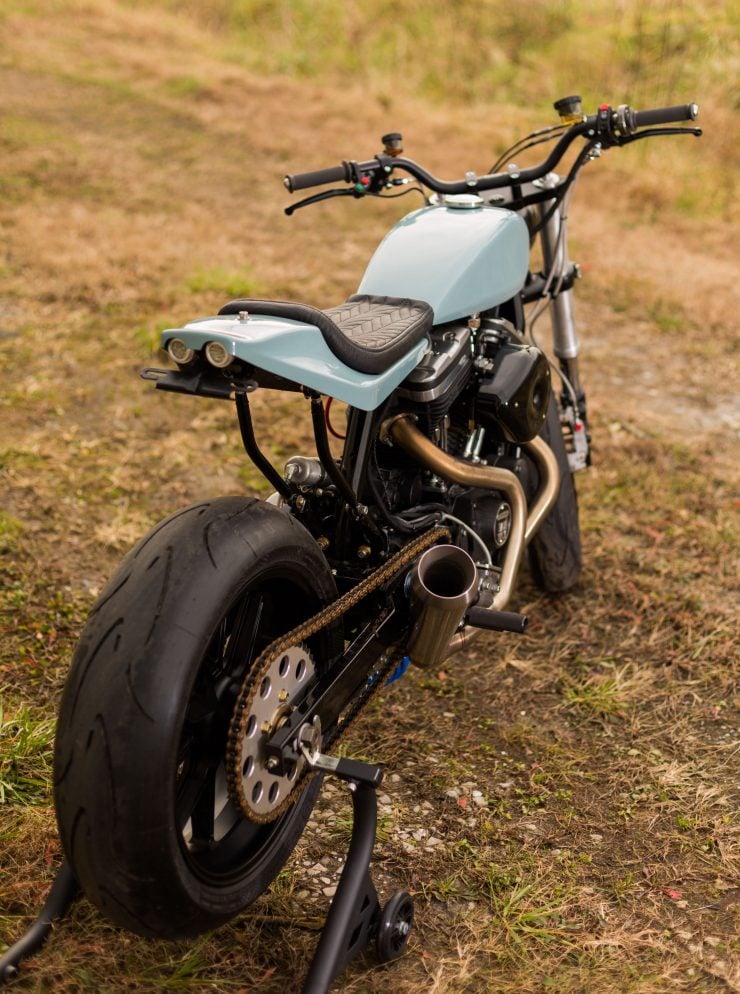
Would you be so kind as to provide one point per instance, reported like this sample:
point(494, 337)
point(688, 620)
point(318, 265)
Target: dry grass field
point(563, 805)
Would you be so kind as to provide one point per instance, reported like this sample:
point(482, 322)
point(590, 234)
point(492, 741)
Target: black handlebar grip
point(334, 174)
point(666, 115)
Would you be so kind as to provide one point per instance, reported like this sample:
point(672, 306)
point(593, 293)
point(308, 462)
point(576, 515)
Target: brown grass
point(602, 855)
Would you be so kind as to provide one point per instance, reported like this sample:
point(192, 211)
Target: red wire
point(327, 408)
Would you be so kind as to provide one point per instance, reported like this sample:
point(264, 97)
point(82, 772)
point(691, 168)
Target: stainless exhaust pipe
point(444, 583)
point(404, 433)
point(401, 431)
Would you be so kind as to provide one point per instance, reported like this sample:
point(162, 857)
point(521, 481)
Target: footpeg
point(496, 621)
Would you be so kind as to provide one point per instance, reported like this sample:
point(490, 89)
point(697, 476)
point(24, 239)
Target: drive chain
point(327, 616)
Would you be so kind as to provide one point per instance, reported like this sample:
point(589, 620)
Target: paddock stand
point(354, 918)
point(63, 892)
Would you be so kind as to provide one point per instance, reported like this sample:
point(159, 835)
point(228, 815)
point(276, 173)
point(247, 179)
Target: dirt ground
point(563, 805)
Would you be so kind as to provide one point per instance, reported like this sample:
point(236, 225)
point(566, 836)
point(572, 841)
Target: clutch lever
point(324, 195)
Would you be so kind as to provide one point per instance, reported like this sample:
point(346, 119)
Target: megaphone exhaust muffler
point(444, 583)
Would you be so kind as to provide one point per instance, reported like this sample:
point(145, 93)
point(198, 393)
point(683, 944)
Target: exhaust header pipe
point(444, 583)
point(400, 430)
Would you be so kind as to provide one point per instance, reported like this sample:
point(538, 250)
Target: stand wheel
point(396, 920)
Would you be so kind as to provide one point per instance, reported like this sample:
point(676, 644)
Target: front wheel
point(555, 551)
point(140, 790)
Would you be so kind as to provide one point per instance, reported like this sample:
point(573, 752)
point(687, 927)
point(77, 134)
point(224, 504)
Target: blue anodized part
point(461, 260)
point(298, 352)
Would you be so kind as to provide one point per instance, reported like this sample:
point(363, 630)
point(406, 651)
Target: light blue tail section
point(297, 352)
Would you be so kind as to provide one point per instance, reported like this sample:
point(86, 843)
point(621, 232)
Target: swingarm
point(340, 694)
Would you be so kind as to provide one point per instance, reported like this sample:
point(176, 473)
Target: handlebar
point(608, 126)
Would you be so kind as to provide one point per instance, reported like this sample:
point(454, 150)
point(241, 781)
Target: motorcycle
point(239, 640)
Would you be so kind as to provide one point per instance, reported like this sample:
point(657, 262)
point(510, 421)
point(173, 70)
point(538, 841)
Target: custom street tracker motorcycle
point(240, 638)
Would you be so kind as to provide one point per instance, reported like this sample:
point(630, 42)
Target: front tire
point(143, 812)
point(555, 551)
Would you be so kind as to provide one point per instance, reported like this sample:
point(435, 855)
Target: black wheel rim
point(219, 845)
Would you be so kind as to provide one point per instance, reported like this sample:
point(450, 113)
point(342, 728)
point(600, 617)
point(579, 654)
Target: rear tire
point(555, 551)
point(143, 814)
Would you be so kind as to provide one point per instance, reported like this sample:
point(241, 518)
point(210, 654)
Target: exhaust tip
point(447, 572)
point(444, 583)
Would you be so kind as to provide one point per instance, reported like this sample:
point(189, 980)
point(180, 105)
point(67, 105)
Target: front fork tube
point(564, 334)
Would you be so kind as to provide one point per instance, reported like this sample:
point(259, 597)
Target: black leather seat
point(366, 333)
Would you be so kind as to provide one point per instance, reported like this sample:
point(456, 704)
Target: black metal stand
point(354, 909)
point(63, 892)
point(355, 916)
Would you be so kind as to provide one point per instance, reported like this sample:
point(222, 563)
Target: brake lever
point(324, 195)
point(696, 132)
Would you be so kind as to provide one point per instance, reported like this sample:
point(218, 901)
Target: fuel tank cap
point(463, 201)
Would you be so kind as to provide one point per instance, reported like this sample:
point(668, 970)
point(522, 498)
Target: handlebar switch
point(605, 121)
point(569, 109)
point(393, 143)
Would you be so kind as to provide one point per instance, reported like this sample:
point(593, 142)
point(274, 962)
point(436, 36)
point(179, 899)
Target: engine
point(477, 396)
point(430, 390)
point(510, 388)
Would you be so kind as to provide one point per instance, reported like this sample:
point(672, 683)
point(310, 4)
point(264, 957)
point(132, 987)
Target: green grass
point(23, 131)
point(11, 530)
point(218, 279)
point(186, 87)
point(147, 335)
point(26, 748)
point(527, 920)
point(599, 693)
point(490, 51)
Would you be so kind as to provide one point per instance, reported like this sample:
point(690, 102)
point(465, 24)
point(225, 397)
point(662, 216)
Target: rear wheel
point(555, 551)
point(144, 814)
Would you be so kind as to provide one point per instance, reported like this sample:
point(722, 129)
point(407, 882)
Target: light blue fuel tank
point(460, 259)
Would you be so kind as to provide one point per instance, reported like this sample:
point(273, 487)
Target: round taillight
point(179, 351)
point(217, 355)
